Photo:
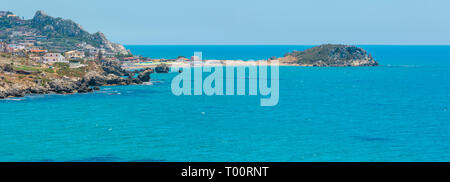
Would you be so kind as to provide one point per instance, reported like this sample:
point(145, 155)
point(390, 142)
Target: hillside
point(55, 34)
point(330, 55)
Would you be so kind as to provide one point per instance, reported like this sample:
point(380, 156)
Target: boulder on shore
point(144, 76)
point(7, 68)
point(162, 68)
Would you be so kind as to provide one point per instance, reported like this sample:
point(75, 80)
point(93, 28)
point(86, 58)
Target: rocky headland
point(26, 67)
point(18, 79)
point(330, 55)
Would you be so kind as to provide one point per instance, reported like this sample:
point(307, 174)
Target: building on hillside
point(30, 39)
point(3, 47)
point(26, 44)
point(129, 58)
point(36, 58)
point(74, 54)
point(39, 38)
point(181, 59)
point(195, 58)
point(14, 48)
point(37, 52)
point(51, 58)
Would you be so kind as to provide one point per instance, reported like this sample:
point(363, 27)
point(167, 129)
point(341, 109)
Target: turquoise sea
point(398, 111)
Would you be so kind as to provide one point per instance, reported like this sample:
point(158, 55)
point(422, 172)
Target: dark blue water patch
point(40, 160)
point(371, 139)
point(108, 158)
point(402, 107)
point(148, 160)
point(45, 160)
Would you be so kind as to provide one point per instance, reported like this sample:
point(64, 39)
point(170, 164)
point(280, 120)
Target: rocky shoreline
point(110, 74)
point(19, 78)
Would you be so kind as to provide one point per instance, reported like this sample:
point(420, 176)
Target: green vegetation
point(63, 32)
point(331, 55)
point(48, 70)
point(7, 23)
point(6, 80)
point(5, 55)
point(61, 65)
point(55, 34)
point(27, 68)
point(64, 69)
point(33, 68)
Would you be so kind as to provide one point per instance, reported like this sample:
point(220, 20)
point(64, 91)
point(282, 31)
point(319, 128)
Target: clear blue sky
point(253, 21)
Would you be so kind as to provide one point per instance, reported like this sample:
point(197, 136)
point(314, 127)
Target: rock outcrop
point(144, 76)
point(6, 68)
point(112, 74)
point(162, 68)
point(100, 38)
point(114, 67)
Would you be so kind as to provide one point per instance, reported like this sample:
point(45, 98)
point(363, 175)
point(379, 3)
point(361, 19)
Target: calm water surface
point(395, 112)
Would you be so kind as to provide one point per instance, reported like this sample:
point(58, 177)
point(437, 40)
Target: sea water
point(398, 111)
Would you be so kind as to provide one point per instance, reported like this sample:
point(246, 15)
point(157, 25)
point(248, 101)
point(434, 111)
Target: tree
point(100, 56)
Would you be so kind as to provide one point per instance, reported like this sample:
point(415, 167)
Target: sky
point(286, 22)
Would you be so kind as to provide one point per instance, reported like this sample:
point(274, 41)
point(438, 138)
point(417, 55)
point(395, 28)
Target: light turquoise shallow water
point(395, 112)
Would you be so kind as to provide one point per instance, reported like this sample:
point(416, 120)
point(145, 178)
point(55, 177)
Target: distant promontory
point(330, 55)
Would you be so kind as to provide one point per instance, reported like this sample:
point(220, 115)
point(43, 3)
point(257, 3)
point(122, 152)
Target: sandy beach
point(212, 63)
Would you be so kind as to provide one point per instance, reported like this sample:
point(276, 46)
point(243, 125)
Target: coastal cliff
point(20, 77)
point(330, 55)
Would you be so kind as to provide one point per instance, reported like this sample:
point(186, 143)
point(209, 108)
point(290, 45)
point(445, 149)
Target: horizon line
point(283, 44)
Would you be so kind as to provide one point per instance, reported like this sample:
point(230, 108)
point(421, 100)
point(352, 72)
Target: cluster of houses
point(21, 38)
point(24, 41)
point(7, 14)
point(43, 56)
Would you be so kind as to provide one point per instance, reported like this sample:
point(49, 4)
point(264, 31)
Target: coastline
point(19, 83)
point(367, 95)
point(213, 63)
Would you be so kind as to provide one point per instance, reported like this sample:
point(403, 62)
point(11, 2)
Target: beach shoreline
point(214, 63)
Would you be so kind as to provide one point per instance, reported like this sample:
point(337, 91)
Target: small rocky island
point(330, 55)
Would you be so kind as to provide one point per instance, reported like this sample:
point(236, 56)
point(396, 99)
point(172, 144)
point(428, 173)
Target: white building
point(74, 55)
point(54, 58)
